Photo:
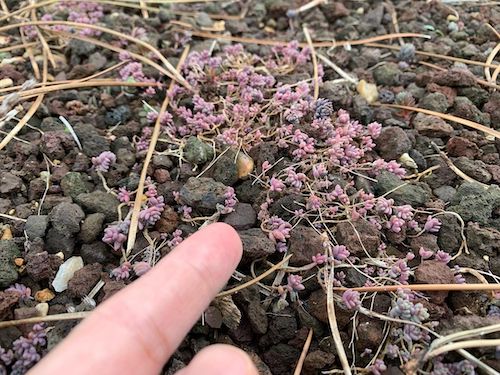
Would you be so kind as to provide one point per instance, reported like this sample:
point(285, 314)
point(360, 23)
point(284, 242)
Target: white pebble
point(66, 272)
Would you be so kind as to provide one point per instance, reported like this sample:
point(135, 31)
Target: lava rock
point(432, 126)
point(54, 144)
point(473, 168)
point(387, 74)
point(413, 194)
point(475, 203)
point(120, 114)
point(455, 77)
point(84, 280)
point(57, 241)
point(203, 193)
point(197, 152)
point(463, 107)
point(449, 236)
point(304, 242)
point(392, 143)
point(445, 193)
point(243, 217)
point(281, 358)
point(92, 227)
point(36, 226)
point(483, 241)
point(354, 236)
point(92, 142)
point(168, 221)
point(100, 201)
point(96, 252)
point(256, 244)
point(73, 184)
point(7, 301)
point(317, 360)
point(435, 272)
point(435, 101)
point(225, 170)
point(10, 183)
point(8, 270)
point(459, 146)
point(41, 266)
point(370, 333)
point(66, 218)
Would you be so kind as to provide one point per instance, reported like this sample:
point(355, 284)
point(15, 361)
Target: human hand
point(124, 337)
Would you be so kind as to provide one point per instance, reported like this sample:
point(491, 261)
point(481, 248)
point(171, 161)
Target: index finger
point(144, 323)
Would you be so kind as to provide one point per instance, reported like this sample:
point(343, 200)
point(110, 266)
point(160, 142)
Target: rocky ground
point(413, 201)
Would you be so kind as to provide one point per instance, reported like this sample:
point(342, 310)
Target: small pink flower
point(424, 253)
point(140, 268)
point(122, 272)
point(340, 252)
point(276, 184)
point(123, 195)
point(319, 258)
point(295, 283)
point(351, 299)
point(103, 162)
point(432, 225)
point(395, 224)
point(443, 256)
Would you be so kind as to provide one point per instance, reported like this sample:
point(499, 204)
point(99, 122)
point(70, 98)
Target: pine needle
point(424, 288)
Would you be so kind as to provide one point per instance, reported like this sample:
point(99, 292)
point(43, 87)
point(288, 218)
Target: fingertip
point(225, 239)
point(220, 359)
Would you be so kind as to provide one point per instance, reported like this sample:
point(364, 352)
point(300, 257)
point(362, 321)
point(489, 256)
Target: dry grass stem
point(134, 220)
point(305, 349)
point(424, 288)
point(332, 319)
point(314, 61)
point(459, 120)
point(48, 318)
point(255, 280)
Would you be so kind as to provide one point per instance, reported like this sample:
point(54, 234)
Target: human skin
point(140, 327)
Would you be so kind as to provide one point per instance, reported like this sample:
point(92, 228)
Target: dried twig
point(47, 318)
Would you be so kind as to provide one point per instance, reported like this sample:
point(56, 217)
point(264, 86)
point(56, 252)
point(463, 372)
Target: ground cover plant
point(354, 146)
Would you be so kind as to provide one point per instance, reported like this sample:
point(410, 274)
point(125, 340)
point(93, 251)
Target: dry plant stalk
point(255, 280)
point(330, 304)
point(271, 42)
point(134, 220)
point(305, 349)
point(47, 318)
point(314, 61)
point(424, 288)
point(461, 121)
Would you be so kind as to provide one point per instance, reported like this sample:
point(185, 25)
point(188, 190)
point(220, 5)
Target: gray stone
point(473, 168)
point(392, 143)
point(10, 183)
point(60, 242)
point(92, 227)
point(73, 184)
point(445, 193)
point(197, 152)
point(96, 252)
point(475, 203)
point(243, 217)
point(483, 241)
point(66, 218)
point(414, 194)
point(225, 170)
point(256, 244)
point(80, 47)
point(435, 102)
point(432, 126)
point(100, 201)
point(36, 226)
point(92, 142)
point(387, 74)
point(8, 271)
point(203, 193)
